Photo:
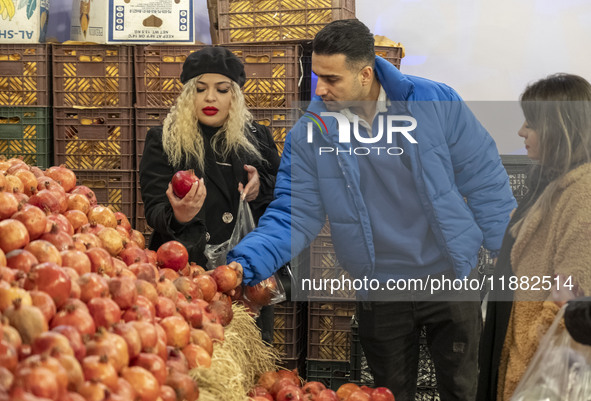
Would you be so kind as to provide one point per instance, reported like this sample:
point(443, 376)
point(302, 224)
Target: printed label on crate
point(23, 21)
point(133, 21)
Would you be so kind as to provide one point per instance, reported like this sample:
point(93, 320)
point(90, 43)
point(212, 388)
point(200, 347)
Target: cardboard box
point(132, 21)
point(23, 21)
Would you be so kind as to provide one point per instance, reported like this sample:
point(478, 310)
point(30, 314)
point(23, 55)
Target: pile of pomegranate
point(86, 312)
point(285, 385)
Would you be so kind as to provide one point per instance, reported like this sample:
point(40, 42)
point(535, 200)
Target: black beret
point(217, 60)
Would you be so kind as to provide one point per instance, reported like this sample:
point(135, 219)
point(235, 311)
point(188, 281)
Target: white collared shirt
point(381, 107)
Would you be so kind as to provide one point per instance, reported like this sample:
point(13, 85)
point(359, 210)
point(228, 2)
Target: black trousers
point(389, 333)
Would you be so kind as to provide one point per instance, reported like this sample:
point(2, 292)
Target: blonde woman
point(547, 240)
point(210, 131)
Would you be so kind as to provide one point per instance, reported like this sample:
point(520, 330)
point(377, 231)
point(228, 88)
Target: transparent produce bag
point(270, 290)
point(559, 371)
point(267, 292)
point(216, 254)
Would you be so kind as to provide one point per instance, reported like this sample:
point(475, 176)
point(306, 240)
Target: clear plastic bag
point(559, 371)
point(216, 254)
point(267, 292)
point(271, 288)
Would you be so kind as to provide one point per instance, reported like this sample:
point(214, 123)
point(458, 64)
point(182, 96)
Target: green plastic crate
point(25, 132)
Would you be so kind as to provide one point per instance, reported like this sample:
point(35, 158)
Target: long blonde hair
point(558, 109)
point(182, 138)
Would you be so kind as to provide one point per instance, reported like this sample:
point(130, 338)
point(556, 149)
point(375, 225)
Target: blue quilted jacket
point(462, 185)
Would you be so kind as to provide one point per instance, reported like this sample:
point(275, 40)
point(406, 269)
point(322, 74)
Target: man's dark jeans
point(389, 334)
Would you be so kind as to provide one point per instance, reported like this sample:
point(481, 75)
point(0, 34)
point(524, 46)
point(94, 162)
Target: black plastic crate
point(298, 363)
point(426, 378)
point(360, 373)
point(329, 330)
point(332, 374)
point(517, 168)
point(26, 132)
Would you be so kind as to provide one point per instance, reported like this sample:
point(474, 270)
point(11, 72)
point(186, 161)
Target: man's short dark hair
point(349, 37)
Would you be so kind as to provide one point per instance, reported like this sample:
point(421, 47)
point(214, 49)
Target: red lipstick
point(209, 111)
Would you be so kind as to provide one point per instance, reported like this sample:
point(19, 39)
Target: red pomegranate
point(182, 181)
point(33, 218)
point(89, 193)
point(62, 175)
point(13, 235)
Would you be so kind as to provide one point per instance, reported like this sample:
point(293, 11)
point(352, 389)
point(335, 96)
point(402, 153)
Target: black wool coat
point(208, 226)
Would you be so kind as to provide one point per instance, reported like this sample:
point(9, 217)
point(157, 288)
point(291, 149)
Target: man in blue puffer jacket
point(414, 204)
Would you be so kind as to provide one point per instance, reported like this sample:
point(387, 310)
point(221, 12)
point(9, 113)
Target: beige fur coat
point(557, 243)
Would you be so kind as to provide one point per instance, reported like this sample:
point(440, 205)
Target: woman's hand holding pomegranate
point(251, 191)
point(186, 209)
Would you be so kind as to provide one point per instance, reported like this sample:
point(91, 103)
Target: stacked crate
point(93, 120)
point(329, 318)
point(25, 112)
point(289, 334)
point(241, 21)
point(271, 90)
point(329, 342)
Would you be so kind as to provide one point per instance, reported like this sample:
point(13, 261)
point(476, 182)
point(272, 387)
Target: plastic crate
point(289, 331)
point(298, 363)
point(146, 118)
point(329, 330)
point(279, 20)
point(92, 76)
point(426, 378)
point(25, 131)
point(325, 266)
point(279, 122)
point(272, 74)
point(332, 374)
point(101, 139)
point(517, 168)
point(24, 75)
point(389, 53)
point(157, 73)
point(114, 188)
point(358, 373)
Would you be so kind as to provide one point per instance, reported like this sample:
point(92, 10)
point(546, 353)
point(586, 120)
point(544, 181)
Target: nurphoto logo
point(392, 126)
